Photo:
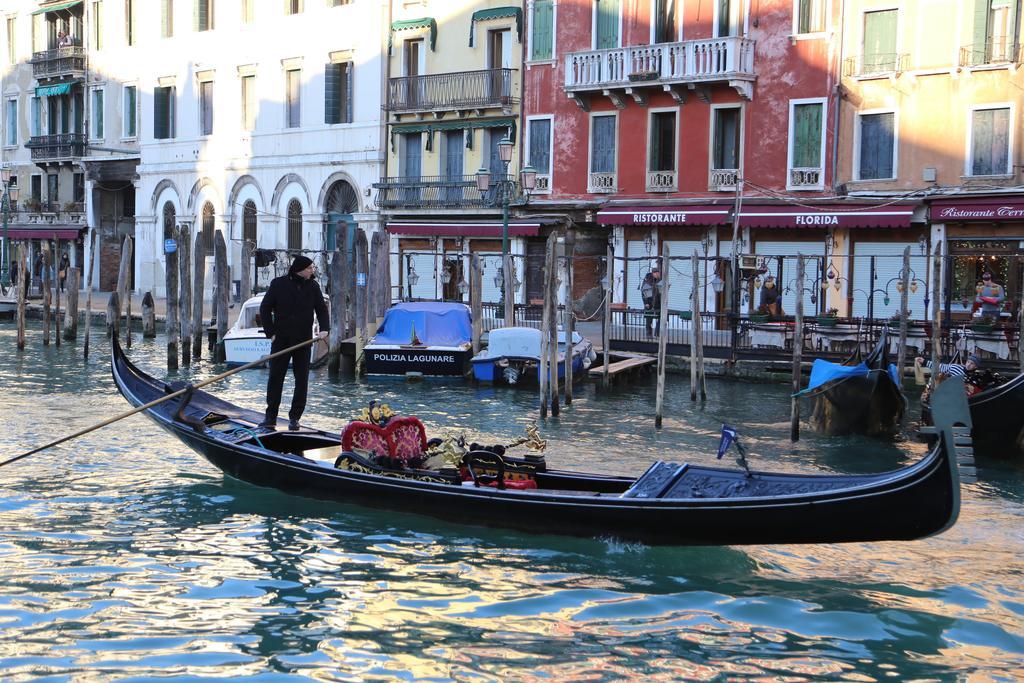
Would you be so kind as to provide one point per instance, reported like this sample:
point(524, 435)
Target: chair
point(366, 437)
point(406, 438)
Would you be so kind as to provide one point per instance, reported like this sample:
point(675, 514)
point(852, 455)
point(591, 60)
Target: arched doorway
point(341, 202)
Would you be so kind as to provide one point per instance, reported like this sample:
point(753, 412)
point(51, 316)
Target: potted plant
point(830, 318)
point(684, 315)
point(760, 314)
point(33, 205)
point(982, 324)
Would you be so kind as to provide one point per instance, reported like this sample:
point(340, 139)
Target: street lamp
point(10, 194)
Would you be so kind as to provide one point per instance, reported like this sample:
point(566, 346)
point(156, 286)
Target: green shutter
point(607, 24)
point(160, 113)
point(166, 19)
point(880, 41)
point(980, 33)
point(332, 89)
point(804, 21)
point(346, 92)
point(807, 136)
point(543, 23)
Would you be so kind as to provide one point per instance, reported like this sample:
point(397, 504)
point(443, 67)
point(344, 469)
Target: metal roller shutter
point(786, 252)
point(888, 263)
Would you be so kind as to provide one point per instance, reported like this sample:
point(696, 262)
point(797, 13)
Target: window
point(37, 188)
point(249, 222)
point(129, 110)
point(292, 81)
point(664, 24)
point(170, 218)
point(606, 24)
point(37, 116)
point(248, 11)
point(166, 18)
point(810, 16)
point(208, 228)
point(880, 42)
point(726, 139)
point(78, 187)
point(163, 113)
point(292, 6)
point(990, 141)
point(602, 153)
point(542, 34)
point(538, 135)
point(11, 133)
point(248, 103)
point(728, 19)
point(806, 144)
point(52, 190)
point(338, 3)
point(129, 21)
point(662, 155)
point(12, 51)
point(206, 108)
point(97, 114)
point(97, 25)
point(203, 18)
point(294, 225)
point(338, 93)
point(994, 31)
point(876, 146)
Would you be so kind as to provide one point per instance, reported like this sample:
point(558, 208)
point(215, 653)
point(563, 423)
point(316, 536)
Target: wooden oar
point(160, 400)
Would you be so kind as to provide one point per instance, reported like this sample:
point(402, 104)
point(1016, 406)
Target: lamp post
point(10, 194)
point(505, 188)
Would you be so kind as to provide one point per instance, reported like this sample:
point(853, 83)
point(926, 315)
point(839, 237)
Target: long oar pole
point(160, 400)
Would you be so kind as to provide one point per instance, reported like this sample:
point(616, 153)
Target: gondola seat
point(366, 437)
point(407, 439)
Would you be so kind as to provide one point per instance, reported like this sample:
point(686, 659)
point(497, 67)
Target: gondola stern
point(952, 418)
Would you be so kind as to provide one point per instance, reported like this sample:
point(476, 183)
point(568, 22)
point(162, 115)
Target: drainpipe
point(837, 74)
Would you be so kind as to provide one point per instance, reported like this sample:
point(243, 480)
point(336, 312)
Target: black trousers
point(278, 369)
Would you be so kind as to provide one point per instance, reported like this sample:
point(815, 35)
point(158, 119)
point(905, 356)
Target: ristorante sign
point(677, 215)
point(764, 216)
point(994, 212)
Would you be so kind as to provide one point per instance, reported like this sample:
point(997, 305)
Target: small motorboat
point(245, 341)
point(512, 356)
point(856, 396)
point(395, 467)
point(424, 338)
point(8, 301)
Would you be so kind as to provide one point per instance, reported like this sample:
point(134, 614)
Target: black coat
point(288, 307)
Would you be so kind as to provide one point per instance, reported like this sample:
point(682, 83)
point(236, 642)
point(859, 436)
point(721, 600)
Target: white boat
point(513, 356)
point(8, 300)
point(246, 341)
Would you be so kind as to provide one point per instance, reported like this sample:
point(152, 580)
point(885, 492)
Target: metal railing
point(436, 192)
point(59, 61)
point(723, 178)
point(805, 177)
point(997, 51)
point(661, 181)
point(56, 147)
point(454, 90)
point(875, 65)
point(688, 61)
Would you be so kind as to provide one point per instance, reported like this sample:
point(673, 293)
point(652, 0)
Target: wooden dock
point(627, 365)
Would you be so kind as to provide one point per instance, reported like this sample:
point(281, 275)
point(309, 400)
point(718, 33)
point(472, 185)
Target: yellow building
point(452, 96)
point(929, 109)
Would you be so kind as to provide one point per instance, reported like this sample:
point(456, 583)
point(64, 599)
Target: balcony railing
point(661, 181)
point(61, 61)
point(805, 178)
point(543, 185)
point(723, 179)
point(602, 182)
point(689, 61)
point(998, 51)
point(451, 91)
point(56, 147)
point(435, 192)
point(875, 65)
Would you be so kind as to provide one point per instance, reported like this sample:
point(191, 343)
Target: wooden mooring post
point(361, 269)
point(606, 328)
point(185, 301)
point(113, 314)
point(148, 316)
point(570, 319)
point(198, 287)
point(798, 346)
point(223, 294)
point(546, 313)
point(245, 276)
point(94, 245)
point(476, 300)
point(337, 296)
point(47, 301)
point(171, 287)
point(508, 271)
point(901, 351)
point(552, 295)
point(71, 315)
point(124, 283)
point(23, 285)
point(936, 313)
point(56, 295)
point(659, 405)
point(698, 382)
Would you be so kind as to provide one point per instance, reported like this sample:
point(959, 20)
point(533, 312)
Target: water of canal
point(123, 555)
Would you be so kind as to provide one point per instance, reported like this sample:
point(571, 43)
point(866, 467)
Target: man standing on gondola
point(287, 316)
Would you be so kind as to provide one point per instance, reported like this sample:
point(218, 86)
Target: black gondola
point(867, 400)
point(673, 504)
point(997, 414)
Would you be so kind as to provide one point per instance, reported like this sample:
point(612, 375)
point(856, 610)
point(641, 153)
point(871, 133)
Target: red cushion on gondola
point(365, 437)
point(406, 438)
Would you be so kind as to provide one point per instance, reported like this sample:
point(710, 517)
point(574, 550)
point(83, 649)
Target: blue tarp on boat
point(824, 371)
point(435, 324)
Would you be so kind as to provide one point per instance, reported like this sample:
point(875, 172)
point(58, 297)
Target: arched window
point(169, 218)
point(249, 222)
point(294, 224)
point(208, 227)
point(341, 198)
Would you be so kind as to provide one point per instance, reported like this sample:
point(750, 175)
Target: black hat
point(300, 263)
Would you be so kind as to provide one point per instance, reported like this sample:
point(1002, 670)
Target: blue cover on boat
point(436, 324)
point(823, 371)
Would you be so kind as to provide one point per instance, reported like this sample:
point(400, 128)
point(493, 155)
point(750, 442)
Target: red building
point(647, 119)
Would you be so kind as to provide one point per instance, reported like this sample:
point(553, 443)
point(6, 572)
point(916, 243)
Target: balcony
point(602, 182)
point(694, 64)
point(875, 66)
point(454, 91)
point(805, 179)
point(543, 185)
point(991, 53)
point(661, 181)
point(723, 179)
point(56, 148)
point(58, 62)
point(436, 192)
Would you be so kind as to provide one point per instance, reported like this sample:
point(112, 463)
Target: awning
point(25, 232)
point(497, 13)
point(453, 125)
point(58, 89)
point(410, 24)
point(989, 211)
point(467, 229)
point(826, 216)
point(695, 214)
point(56, 6)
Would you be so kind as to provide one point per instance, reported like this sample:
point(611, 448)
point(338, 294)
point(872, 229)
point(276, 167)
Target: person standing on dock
point(287, 315)
point(650, 292)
